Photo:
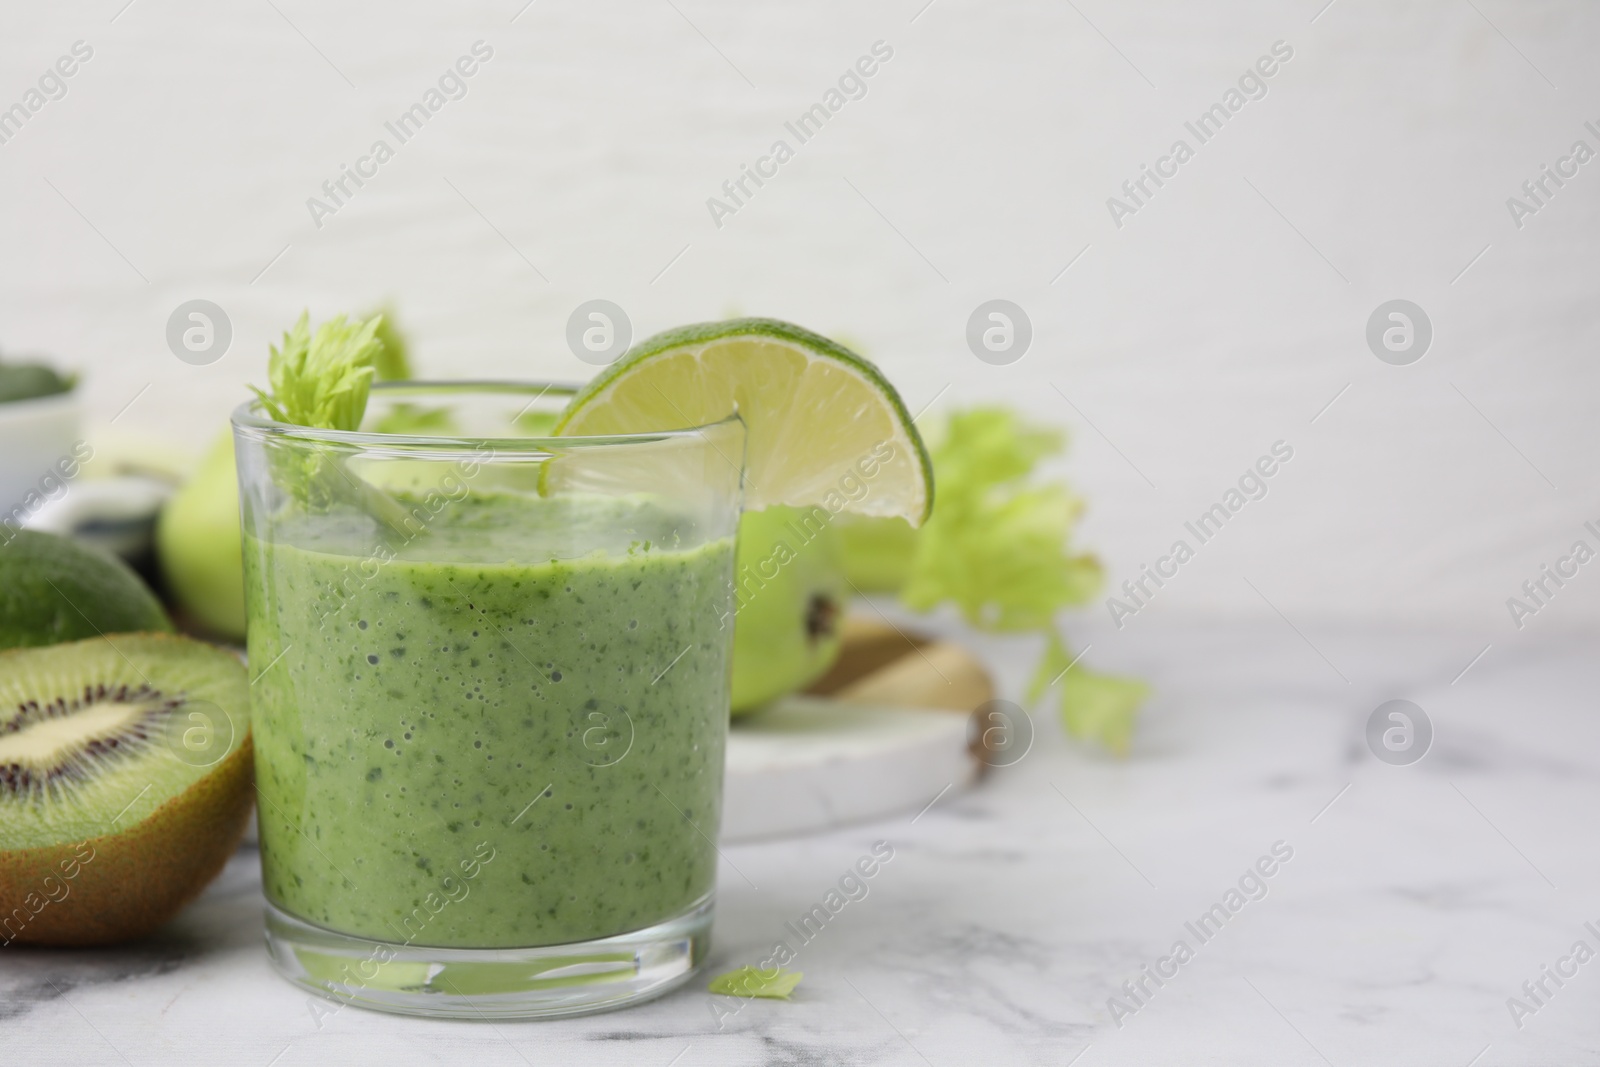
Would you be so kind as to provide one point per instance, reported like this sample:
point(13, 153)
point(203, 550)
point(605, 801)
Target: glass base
point(491, 983)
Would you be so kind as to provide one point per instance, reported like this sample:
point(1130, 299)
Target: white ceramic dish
point(806, 764)
point(35, 436)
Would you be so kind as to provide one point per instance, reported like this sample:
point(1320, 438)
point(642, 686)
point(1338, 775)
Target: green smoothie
point(506, 730)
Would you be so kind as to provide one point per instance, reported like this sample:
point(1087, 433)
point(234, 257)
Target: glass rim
point(250, 416)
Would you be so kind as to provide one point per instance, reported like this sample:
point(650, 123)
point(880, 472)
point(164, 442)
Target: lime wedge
point(823, 426)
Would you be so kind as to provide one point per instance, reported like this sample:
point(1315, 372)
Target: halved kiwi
point(125, 783)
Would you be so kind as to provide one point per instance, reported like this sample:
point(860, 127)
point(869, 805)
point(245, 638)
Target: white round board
point(808, 763)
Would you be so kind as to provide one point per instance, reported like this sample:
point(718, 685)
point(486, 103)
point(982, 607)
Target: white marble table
point(1417, 901)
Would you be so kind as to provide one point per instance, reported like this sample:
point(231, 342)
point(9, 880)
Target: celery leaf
point(322, 380)
point(747, 981)
point(999, 548)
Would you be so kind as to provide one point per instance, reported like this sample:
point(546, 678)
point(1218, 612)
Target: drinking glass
point(489, 695)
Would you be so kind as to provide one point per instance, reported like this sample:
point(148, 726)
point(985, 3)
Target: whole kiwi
point(53, 589)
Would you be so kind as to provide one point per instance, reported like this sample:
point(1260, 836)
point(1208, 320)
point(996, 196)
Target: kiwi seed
point(103, 724)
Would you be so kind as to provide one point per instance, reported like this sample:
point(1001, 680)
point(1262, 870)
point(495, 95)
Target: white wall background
point(1192, 338)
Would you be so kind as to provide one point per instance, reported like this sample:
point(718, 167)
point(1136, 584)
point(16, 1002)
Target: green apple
point(877, 552)
point(789, 594)
point(198, 542)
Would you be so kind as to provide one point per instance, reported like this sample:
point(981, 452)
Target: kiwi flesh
point(125, 783)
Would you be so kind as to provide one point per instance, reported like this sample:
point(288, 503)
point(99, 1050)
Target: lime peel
point(824, 427)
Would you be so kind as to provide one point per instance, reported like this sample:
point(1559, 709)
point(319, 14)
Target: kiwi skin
point(134, 881)
point(130, 882)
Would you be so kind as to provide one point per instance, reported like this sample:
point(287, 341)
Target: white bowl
point(36, 436)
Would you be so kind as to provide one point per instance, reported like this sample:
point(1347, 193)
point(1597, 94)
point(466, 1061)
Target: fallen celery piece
point(750, 982)
point(1100, 707)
